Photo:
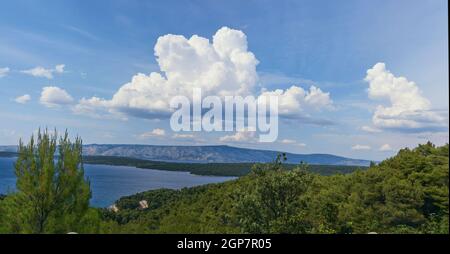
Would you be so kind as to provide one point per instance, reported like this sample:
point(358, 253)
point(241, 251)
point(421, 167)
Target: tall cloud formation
point(408, 109)
point(224, 67)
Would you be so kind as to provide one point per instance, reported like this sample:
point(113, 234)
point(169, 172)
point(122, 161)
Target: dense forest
point(404, 194)
point(407, 193)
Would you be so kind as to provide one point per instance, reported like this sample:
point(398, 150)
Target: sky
point(360, 79)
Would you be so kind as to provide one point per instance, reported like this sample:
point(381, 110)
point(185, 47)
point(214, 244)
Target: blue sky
point(327, 44)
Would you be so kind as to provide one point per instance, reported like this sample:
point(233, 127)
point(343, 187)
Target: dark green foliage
point(129, 206)
point(407, 193)
point(274, 203)
point(52, 195)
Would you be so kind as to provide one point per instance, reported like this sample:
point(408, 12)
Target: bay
point(109, 183)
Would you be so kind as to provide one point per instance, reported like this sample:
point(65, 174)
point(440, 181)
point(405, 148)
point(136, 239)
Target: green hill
point(212, 169)
point(404, 194)
point(212, 154)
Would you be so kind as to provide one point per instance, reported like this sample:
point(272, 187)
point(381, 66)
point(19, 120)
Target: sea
point(109, 183)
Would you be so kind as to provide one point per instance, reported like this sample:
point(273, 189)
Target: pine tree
point(52, 193)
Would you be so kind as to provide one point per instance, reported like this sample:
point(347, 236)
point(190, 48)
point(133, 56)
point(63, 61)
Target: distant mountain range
point(211, 154)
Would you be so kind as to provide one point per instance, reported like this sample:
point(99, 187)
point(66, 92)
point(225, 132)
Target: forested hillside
point(212, 154)
point(407, 193)
point(404, 194)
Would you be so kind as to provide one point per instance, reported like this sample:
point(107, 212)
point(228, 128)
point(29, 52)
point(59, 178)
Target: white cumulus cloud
point(295, 100)
point(407, 108)
point(43, 72)
point(23, 99)
point(52, 96)
point(154, 133)
point(4, 71)
point(385, 148)
point(243, 135)
point(96, 108)
point(59, 68)
point(221, 67)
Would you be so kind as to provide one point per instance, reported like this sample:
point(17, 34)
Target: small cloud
point(52, 96)
point(370, 129)
point(292, 142)
point(59, 68)
point(361, 147)
point(288, 141)
point(23, 99)
point(4, 71)
point(183, 136)
point(39, 72)
point(154, 133)
point(42, 72)
point(385, 148)
point(189, 138)
point(240, 136)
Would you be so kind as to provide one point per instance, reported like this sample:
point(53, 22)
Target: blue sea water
point(109, 183)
